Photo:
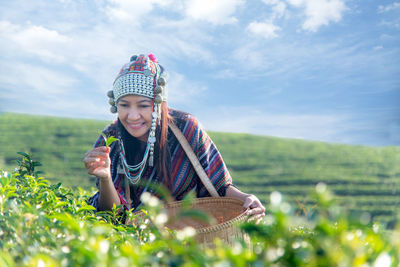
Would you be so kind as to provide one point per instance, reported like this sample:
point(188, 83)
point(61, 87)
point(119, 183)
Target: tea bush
point(362, 178)
point(43, 224)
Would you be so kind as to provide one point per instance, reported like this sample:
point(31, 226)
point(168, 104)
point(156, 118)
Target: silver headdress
point(145, 77)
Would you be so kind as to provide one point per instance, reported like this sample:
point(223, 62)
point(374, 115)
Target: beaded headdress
point(142, 76)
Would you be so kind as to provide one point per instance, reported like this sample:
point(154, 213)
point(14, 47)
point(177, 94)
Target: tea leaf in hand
point(109, 140)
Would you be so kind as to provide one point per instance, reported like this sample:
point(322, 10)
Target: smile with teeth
point(136, 126)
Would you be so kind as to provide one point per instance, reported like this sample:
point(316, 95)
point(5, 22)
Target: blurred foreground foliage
point(43, 224)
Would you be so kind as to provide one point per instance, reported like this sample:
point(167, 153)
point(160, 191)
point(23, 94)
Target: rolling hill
point(362, 178)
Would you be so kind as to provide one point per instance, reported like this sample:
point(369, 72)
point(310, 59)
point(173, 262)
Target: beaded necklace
point(133, 172)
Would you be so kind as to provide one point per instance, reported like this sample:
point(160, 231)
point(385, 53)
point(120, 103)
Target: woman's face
point(135, 114)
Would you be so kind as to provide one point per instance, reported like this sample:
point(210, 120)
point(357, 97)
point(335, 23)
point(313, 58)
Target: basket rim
point(217, 227)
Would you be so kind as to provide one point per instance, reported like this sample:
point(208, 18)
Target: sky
point(323, 70)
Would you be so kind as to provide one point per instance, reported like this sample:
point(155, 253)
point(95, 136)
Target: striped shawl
point(183, 174)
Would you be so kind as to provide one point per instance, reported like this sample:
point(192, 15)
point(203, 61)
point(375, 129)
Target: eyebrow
point(144, 100)
point(141, 101)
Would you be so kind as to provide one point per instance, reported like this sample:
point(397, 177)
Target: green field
point(363, 178)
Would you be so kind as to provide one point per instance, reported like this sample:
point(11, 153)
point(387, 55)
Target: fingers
point(94, 164)
point(256, 218)
point(247, 202)
point(96, 158)
point(256, 214)
point(252, 202)
point(254, 209)
point(94, 161)
point(98, 151)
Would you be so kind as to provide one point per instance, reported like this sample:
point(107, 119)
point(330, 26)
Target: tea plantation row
point(53, 226)
point(363, 178)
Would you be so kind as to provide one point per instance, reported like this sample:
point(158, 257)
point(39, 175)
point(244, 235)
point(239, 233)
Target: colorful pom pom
point(152, 57)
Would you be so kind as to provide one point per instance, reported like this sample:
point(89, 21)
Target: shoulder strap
point(194, 160)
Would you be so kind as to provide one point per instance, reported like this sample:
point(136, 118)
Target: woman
point(147, 151)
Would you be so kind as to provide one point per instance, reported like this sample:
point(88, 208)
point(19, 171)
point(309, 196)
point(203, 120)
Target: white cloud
point(382, 9)
point(91, 55)
point(84, 51)
point(217, 12)
point(256, 59)
point(319, 12)
point(176, 47)
point(247, 119)
point(392, 24)
point(34, 40)
point(182, 91)
point(29, 88)
point(278, 8)
point(274, 60)
point(72, 50)
point(24, 78)
point(132, 10)
point(225, 73)
point(267, 28)
point(263, 29)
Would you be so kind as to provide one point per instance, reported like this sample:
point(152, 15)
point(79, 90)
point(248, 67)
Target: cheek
point(149, 116)
point(121, 114)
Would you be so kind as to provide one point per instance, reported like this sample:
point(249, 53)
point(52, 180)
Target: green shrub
point(258, 164)
point(43, 224)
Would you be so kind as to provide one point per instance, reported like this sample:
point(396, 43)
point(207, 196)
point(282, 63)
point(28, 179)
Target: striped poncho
point(183, 174)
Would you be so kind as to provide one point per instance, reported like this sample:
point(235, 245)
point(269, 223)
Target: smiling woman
point(135, 115)
point(148, 152)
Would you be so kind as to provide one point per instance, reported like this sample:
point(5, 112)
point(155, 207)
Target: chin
point(142, 135)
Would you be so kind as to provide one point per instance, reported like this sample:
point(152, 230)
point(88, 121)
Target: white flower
point(383, 260)
point(65, 249)
point(150, 200)
point(145, 197)
point(153, 202)
point(273, 254)
point(104, 246)
point(152, 237)
point(185, 233)
point(161, 218)
point(276, 198)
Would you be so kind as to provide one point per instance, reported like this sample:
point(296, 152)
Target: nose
point(133, 114)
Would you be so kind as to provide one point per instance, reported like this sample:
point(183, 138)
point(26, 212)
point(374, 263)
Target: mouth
point(136, 126)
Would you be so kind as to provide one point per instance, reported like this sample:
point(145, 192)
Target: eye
point(144, 106)
point(123, 105)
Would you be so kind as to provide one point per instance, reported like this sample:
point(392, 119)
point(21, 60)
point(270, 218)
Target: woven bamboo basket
point(225, 213)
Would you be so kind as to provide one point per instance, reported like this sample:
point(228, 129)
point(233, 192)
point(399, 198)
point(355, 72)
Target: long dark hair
point(162, 154)
point(164, 162)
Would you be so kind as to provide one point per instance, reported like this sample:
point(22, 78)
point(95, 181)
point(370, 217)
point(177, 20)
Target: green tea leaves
point(43, 224)
point(24, 154)
point(109, 139)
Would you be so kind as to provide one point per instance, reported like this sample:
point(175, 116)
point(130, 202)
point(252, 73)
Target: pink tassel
point(152, 57)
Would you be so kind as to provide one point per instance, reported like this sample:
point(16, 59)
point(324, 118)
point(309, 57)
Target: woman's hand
point(251, 203)
point(256, 210)
point(97, 162)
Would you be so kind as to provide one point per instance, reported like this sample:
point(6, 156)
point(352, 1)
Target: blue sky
point(326, 70)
